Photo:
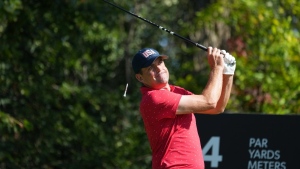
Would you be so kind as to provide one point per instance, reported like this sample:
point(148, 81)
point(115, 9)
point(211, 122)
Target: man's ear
point(139, 77)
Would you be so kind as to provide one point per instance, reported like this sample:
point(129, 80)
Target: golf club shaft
point(160, 27)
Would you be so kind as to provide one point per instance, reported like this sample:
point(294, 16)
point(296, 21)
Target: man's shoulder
point(180, 90)
point(174, 89)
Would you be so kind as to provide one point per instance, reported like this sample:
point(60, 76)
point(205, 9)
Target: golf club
point(160, 27)
point(233, 62)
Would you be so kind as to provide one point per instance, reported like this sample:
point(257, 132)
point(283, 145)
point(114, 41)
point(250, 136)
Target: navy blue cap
point(144, 58)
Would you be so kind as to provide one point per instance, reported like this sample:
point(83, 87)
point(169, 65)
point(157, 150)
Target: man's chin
point(163, 82)
point(163, 79)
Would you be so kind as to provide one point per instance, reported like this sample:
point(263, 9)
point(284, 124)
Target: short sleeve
point(160, 104)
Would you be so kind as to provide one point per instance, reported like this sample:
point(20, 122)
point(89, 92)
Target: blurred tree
point(264, 36)
point(265, 39)
point(61, 98)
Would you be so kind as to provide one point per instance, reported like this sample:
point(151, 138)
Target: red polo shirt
point(174, 139)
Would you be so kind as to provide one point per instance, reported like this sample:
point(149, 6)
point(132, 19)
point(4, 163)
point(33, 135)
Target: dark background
point(235, 131)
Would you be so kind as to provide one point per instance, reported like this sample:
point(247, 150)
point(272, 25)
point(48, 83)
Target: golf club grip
point(160, 27)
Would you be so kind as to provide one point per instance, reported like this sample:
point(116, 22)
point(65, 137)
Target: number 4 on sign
point(214, 158)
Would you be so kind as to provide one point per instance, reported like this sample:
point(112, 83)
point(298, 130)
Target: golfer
point(168, 110)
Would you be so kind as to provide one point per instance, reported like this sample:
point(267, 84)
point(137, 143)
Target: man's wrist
point(227, 75)
point(218, 68)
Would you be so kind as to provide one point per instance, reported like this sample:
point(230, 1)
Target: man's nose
point(158, 68)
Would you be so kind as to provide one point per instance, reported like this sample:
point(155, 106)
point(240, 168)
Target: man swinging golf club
point(168, 110)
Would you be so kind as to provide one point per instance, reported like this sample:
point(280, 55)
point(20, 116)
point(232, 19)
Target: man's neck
point(160, 87)
point(166, 87)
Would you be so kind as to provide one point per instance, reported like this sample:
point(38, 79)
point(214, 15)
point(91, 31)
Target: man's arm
point(229, 68)
point(225, 95)
point(200, 103)
point(212, 92)
point(207, 100)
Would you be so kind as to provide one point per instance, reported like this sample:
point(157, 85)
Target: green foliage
point(265, 41)
point(62, 104)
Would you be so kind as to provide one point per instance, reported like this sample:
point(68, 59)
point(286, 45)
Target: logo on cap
point(148, 52)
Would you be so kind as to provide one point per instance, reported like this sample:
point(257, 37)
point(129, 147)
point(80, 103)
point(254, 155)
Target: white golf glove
point(230, 63)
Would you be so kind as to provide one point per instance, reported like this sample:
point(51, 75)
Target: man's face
point(155, 76)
